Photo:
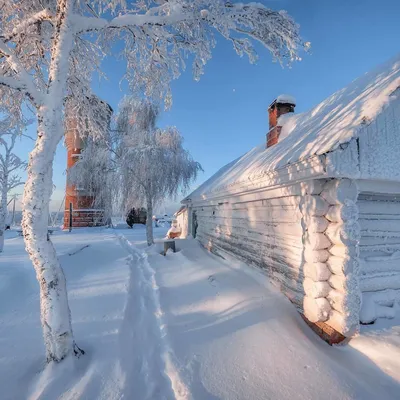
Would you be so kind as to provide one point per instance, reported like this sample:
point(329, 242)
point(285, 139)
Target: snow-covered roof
point(324, 128)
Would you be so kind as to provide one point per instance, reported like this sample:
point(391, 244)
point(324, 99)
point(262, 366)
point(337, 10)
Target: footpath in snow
point(227, 333)
point(186, 326)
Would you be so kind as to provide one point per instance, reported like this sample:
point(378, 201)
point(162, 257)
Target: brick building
point(85, 212)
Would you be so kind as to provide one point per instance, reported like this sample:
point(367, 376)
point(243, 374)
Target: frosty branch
point(10, 167)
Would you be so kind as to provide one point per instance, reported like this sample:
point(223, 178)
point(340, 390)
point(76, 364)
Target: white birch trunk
point(54, 309)
point(3, 212)
point(149, 222)
point(55, 312)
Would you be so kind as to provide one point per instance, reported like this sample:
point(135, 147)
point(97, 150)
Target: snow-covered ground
point(185, 326)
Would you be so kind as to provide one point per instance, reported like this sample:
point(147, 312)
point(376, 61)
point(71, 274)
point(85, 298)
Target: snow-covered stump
point(343, 231)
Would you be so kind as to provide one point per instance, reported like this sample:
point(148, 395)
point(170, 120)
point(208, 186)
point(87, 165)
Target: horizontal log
point(378, 207)
point(317, 271)
point(380, 282)
point(381, 266)
point(316, 241)
point(269, 260)
point(348, 284)
point(340, 323)
point(257, 247)
point(314, 206)
point(315, 256)
point(347, 233)
point(343, 265)
point(243, 234)
point(316, 289)
point(337, 300)
point(316, 224)
point(337, 191)
point(316, 310)
point(344, 251)
point(292, 229)
point(380, 217)
point(385, 247)
point(342, 212)
point(379, 225)
point(346, 308)
point(338, 282)
point(312, 187)
point(262, 235)
point(264, 214)
point(372, 241)
point(379, 234)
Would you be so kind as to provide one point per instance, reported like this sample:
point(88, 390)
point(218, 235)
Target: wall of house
point(305, 236)
point(267, 233)
point(379, 254)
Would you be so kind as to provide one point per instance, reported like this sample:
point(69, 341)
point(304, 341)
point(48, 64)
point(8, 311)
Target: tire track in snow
point(145, 352)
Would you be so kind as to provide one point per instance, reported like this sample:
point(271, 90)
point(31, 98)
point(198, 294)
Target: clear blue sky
point(224, 115)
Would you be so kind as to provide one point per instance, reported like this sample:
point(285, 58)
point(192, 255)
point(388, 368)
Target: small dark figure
point(131, 217)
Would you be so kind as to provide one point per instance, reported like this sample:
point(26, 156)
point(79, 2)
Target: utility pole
point(70, 217)
point(13, 199)
point(13, 213)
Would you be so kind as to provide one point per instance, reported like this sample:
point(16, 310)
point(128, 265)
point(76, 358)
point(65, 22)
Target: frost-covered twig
point(10, 167)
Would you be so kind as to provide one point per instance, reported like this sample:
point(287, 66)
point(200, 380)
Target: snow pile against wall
point(380, 256)
point(335, 121)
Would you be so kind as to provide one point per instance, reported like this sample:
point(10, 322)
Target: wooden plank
point(379, 225)
point(264, 236)
point(378, 207)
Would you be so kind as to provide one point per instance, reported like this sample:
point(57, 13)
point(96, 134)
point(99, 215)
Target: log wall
point(305, 236)
point(267, 233)
point(379, 255)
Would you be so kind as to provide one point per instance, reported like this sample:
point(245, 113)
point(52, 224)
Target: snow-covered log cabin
point(318, 206)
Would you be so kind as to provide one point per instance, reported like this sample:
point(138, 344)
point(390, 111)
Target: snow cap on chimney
point(286, 99)
point(283, 104)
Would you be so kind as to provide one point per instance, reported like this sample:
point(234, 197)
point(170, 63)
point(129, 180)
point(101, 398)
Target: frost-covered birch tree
point(49, 49)
point(11, 167)
point(152, 163)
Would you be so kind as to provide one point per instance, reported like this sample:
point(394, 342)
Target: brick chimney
point(282, 105)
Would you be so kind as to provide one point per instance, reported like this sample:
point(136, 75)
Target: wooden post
point(70, 217)
point(169, 244)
